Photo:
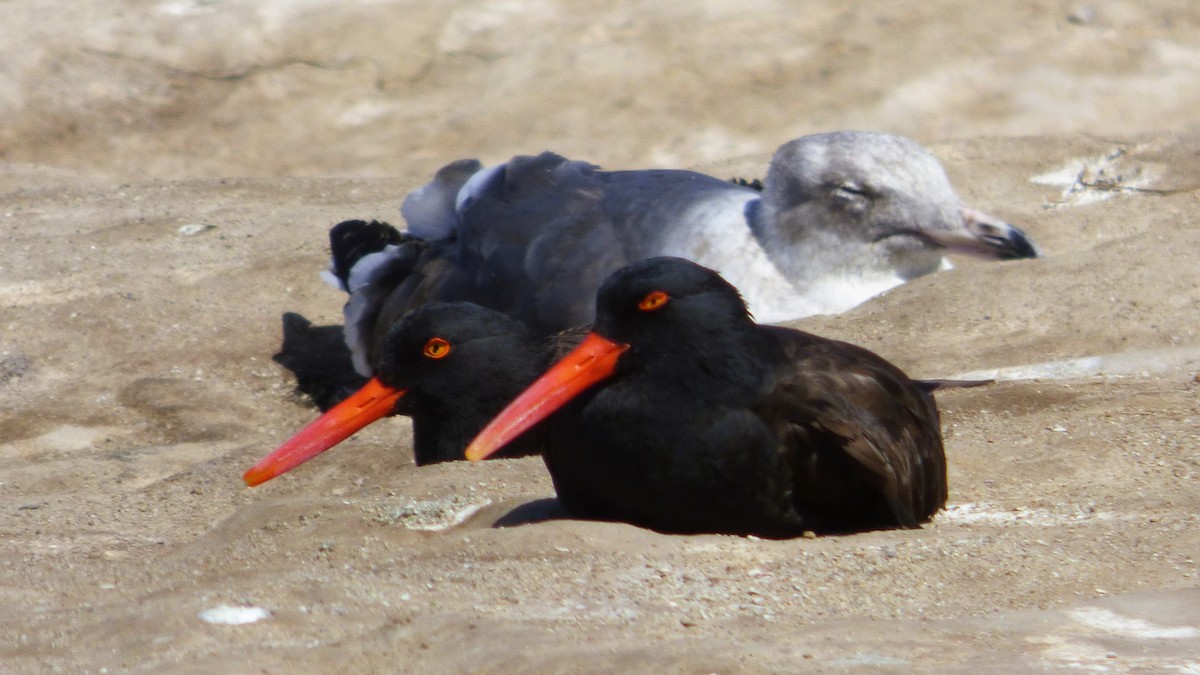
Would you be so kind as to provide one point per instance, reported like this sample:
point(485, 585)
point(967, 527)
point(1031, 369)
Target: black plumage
point(449, 366)
point(700, 420)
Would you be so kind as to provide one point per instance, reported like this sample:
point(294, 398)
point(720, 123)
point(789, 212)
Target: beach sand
point(169, 173)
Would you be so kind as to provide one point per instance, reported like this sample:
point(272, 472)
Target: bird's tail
point(931, 386)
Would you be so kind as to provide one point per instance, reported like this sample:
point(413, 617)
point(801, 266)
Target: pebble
point(195, 228)
point(230, 615)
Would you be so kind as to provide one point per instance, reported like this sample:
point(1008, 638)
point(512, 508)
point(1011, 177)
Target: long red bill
point(364, 406)
point(593, 360)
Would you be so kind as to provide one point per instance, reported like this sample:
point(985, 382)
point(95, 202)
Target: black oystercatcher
point(841, 217)
point(450, 366)
point(681, 414)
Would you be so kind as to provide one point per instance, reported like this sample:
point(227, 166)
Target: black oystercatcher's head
point(451, 358)
point(456, 351)
point(662, 291)
point(661, 307)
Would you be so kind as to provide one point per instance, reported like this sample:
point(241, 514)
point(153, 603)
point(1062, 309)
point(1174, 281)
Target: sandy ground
point(169, 171)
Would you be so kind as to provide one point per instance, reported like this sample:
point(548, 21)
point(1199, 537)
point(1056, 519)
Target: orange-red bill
point(593, 360)
point(364, 406)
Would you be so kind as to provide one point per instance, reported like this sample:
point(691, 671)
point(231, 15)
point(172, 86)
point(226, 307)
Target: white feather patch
point(427, 212)
point(474, 185)
point(363, 298)
point(713, 232)
point(356, 334)
point(332, 279)
point(368, 266)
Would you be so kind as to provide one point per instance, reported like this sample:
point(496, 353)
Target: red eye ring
point(654, 300)
point(437, 348)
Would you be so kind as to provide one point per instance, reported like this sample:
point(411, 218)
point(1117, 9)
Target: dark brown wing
point(863, 439)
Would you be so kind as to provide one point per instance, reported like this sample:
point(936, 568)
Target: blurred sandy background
point(168, 173)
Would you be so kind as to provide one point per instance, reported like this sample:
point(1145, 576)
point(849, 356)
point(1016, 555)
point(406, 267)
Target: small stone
point(233, 616)
point(193, 229)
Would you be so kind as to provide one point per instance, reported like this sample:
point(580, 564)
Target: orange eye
point(653, 300)
point(437, 348)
